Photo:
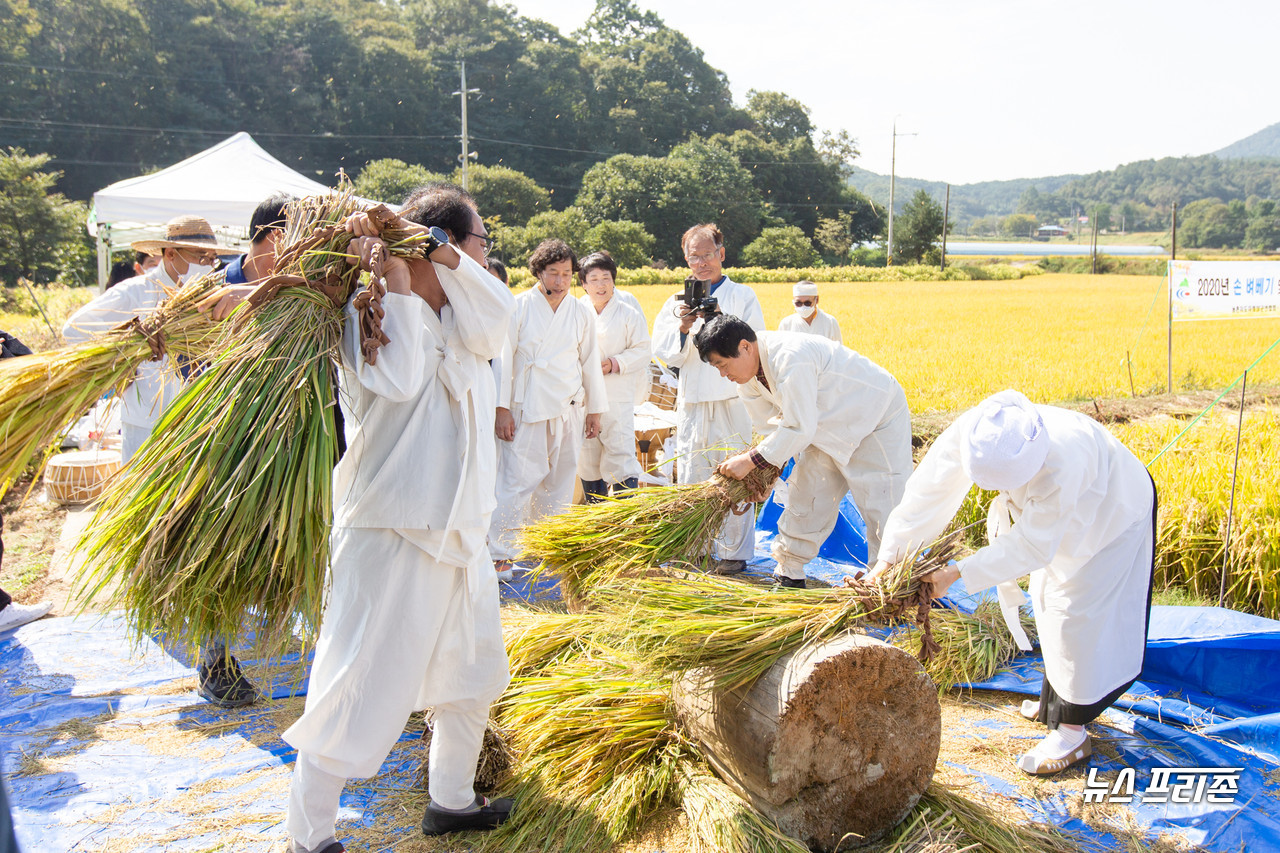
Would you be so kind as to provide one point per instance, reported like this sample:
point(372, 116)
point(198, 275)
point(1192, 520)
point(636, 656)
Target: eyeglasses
point(805, 302)
point(200, 257)
point(705, 258)
point(488, 242)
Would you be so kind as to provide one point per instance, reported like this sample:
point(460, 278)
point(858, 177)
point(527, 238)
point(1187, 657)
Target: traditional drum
point(79, 476)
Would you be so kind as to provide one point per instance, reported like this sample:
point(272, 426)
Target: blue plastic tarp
point(1209, 696)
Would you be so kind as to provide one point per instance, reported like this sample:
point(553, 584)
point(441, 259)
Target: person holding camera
point(711, 421)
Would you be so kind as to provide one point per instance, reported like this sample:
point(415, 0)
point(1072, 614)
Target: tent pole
point(104, 254)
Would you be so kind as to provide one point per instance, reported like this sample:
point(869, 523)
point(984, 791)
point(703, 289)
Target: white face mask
point(805, 311)
point(194, 271)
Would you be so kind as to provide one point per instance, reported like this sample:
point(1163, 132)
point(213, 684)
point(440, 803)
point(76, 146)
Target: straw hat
point(183, 232)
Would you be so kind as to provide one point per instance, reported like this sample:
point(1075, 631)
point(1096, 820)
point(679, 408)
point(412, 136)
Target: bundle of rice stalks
point(720, 821)
point(599, 751)
point(41, 394)
point(649, 527)
point(221, 522)
point(738, 631)
point(971, 647)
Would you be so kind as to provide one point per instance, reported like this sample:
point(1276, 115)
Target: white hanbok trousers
point(706, 435)
point(536, 472)
point(875, 478)
point(132, 437)
point(396, 637)
point(611, 456)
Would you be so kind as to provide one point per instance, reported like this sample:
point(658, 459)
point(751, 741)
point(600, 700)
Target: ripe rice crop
point(1194, 484)
point(1054, 337)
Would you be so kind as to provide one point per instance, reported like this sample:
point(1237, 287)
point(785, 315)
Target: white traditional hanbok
point(411, 619)
point(622, 334)
point(845, 421)
point(711, 421)
point(157, 383)
point(550, 381)
point(823, 324)
point(1081, 528)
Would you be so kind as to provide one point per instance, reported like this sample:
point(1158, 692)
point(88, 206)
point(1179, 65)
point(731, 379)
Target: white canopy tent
point(223, 184)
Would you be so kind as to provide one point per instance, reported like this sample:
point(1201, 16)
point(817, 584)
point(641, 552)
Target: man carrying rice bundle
point(187, 251)
point(411, 619)
point(843, 418)
point(1076, 511)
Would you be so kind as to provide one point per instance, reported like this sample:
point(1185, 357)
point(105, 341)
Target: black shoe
point(222, 683)
point(728, 567)
point(331, 847)
point(788, 583)
point(490, 814)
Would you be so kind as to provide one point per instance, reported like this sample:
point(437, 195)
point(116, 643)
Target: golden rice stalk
point(597, 748)
point(649, 527)
point(971, 647)
point(43, 393)
point(221, 522)
point(720, 821)
point(737, 630)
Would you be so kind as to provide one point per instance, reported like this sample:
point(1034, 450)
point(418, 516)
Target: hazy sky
point(995, 89)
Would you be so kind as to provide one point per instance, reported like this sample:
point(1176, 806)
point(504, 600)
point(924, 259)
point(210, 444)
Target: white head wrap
point(1006, 445)
point(805, 288)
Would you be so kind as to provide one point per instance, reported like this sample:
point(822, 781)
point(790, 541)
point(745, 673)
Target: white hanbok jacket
point(1078, 527)
point(699, 381)
point(823, 324)
point(622, 333)
point(157, 383)
point(820, 394)
point(551, 360)
point(421, 452)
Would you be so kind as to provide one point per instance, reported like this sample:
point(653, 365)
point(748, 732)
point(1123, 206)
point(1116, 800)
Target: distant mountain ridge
point(1264, 143)
point(968, 201)
point(1247, 167)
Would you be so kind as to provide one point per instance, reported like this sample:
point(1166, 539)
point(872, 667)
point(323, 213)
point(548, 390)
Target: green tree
point(779, 117)
point(833, 238)
point(630, 245)
point(1263, 231)
point(515, 245)
point(392, 180)
point(777, 247)
point(1019, 225)
point(697, 182)
point(41, 233)
point(917, 228)
point(506, 193)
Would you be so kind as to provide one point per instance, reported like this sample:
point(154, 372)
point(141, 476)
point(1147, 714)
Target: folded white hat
point(805, 288)
point(1006, 444)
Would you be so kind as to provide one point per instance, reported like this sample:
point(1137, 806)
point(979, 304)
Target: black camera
point(696, 299)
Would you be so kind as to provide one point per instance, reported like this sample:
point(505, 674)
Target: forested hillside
point(625, 116)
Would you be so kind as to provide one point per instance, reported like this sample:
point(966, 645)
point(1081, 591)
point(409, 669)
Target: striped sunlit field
point(1055, 337)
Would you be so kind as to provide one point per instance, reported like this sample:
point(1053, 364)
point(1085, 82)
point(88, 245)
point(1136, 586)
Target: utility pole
point(946, 211)
point(467, 154)
point(893, 168)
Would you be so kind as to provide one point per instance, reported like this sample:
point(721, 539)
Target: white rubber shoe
point(1058, 751)
point(1030, 708)
point(17, 615)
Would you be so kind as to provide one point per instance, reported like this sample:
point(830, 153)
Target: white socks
point(1061, 747)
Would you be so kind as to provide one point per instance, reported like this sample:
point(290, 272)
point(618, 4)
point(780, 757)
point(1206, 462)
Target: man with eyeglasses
point(187, 250)
point(809, 319)
point(711, 421)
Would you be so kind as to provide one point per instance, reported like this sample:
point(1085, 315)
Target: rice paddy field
point(1055, 337)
